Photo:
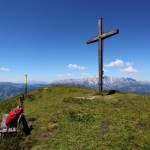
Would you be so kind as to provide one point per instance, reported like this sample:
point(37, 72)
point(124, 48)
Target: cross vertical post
point(101, 36)
point(100, 56)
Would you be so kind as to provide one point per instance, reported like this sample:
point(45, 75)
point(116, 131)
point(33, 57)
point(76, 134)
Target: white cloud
point(73, 66)
point(105, 70)
point(4, 69)
point(118, 63)
point(85, 74)
point(69, 74)
point(125, 67)
point(128, 64)
point(129, 69)
point(65, 75)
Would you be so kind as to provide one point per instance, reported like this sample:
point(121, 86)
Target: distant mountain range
point(8, 89)
point(111, 83)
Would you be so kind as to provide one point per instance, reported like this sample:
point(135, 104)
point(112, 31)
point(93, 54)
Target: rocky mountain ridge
point(115, 83)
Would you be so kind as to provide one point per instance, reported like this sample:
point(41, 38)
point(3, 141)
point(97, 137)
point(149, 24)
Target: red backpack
point(13, 115)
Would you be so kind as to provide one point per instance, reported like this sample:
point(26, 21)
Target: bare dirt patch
point(89, 97)
point(50, 129)
point(140, 126)
point(44, 134)
point(104, 128)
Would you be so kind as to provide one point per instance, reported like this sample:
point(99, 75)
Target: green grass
point(62, 119)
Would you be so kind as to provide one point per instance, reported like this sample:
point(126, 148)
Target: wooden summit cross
point(101, 36)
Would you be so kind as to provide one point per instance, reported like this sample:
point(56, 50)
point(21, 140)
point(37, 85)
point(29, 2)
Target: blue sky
point(46, 39)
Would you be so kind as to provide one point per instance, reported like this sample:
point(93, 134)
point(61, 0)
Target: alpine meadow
point(72, 117)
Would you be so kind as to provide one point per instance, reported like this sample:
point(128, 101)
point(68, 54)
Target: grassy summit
point(76, 118)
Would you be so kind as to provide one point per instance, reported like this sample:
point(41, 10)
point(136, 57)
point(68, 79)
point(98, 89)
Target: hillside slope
point(9, 90)
point(70, 117)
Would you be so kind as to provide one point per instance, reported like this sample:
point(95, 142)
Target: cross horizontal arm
point(94, 39)
point(103, 36)
point(109, 34)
